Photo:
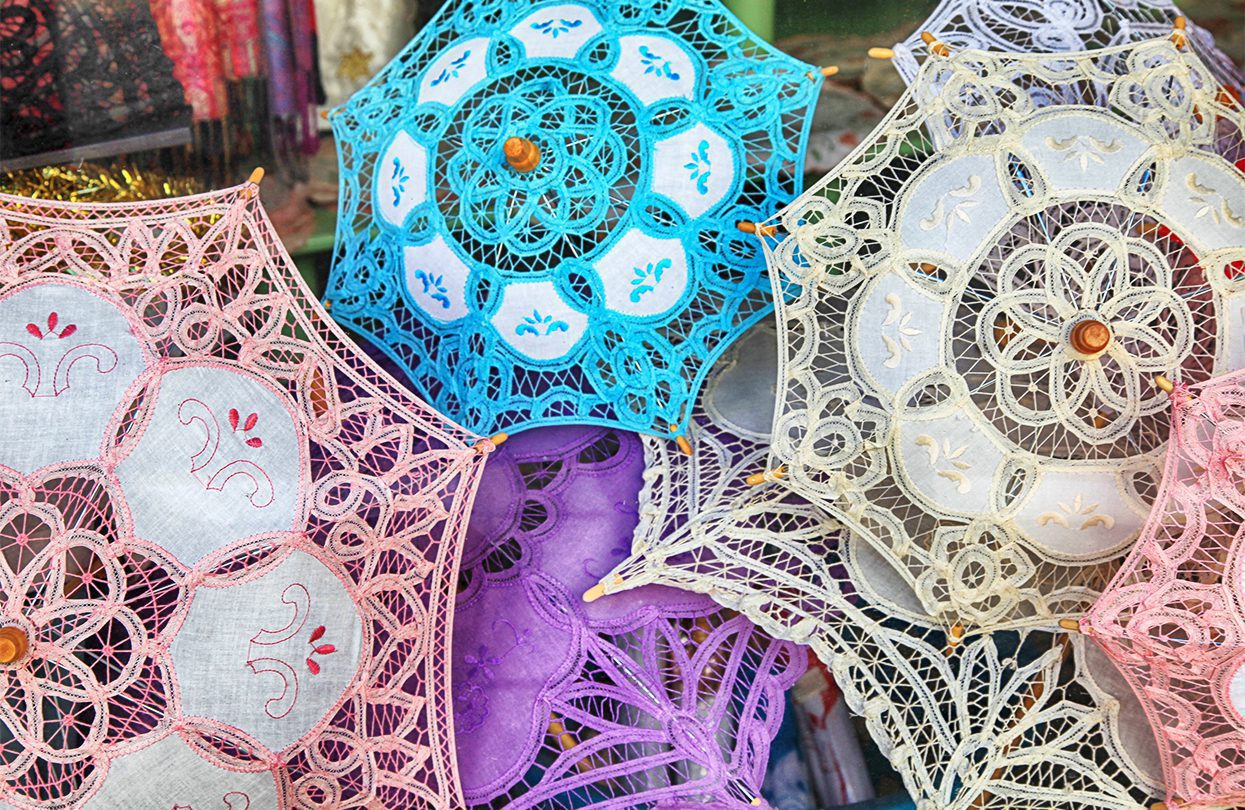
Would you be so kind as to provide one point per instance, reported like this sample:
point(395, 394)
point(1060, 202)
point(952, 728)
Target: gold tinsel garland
point(92, 183)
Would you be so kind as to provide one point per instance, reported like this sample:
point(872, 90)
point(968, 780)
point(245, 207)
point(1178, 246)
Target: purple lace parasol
point(654, 698)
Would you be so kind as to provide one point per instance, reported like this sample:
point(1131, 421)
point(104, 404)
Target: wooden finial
point(13, 644)
point(1090, 337)
point(1164, 384)
point(494, 441)
point(521, 154)
point(324, 114)
point(1071, 625)
point(954, 636)
point(825, 72)
point(252, 182)
point(1178, 32)
point(759, 230)
point(756, 479)
point(935, 47)
point(685, 447)
point(597, 591)
point(881, 53)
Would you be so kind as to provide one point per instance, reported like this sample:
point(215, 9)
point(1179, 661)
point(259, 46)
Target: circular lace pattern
point(527, 222)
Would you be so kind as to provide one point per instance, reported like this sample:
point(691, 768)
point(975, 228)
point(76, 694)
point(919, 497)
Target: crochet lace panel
point(599, 286)
point(980, 299)
point(1019, 719)
point(1173, 619)
point(1055, 26)
point(229, 539)
point(652, 698)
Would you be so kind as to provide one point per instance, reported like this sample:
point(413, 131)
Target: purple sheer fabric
point(654, 698)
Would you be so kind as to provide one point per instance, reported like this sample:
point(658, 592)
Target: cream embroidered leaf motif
point(1213, 204)
point(961, 204)
point(952, 458)
point(901, 320)
point(1068, 515)
point(1084, 149)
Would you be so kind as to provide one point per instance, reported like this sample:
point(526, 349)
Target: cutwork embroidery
point(1084, 149)
point(532, 323)
point(451, 72)
point(900, 318)
point(657, 65)
point(699, 165)
point(1213, 204)
point(952, 456)
point(940, 216)
point(214, 467)
point(44, 355)
point(647, 278)
point(1078, 509)
point(554, 28)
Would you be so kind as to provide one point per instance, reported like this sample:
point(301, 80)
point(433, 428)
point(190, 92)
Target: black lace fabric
point(78, 72)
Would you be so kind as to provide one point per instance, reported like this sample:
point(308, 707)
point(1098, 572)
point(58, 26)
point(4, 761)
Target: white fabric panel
point(60, 382)
point(1074, 512)
point(260, 637)
point(535, 321)
point(401, 179)
point(897, 333)
point(643, 275)
point(951, 209)
point(455, 72)
point(695, 169)
point(169, 774)
point(194, 482)
point(947, 459)
point(655, 68)
point(556, 31)
point(437, 279)
point(1205, 199)
point(1083, 150)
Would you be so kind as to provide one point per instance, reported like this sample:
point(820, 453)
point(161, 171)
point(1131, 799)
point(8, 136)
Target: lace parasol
point(1016, 719)
point(974, 328)
point(228, 543)
point(653, 698)
point(1173, 618)
point(1054, 26)
point(539, 205)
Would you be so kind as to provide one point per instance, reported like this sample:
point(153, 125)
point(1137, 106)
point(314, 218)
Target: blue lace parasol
point(539, 205)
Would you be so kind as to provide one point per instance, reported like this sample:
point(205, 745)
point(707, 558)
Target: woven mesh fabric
point(231, 541)
point(598, 287)
point(1017, 719)
point(974, 327)
point(1173, 619)
point(652, 698)
point(1055, 26)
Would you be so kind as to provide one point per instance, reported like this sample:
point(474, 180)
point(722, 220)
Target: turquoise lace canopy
point(539, 205)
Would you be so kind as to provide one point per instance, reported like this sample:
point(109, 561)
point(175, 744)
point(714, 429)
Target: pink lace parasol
point(228, 543)
point(1173, 619)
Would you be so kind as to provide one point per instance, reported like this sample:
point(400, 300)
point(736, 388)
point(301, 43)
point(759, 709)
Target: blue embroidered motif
point(553, 27)
point(531, 322)
point(646, 278)
point(656, 64)
point(548, 253)
point(452, 71)
point(699, 166)
point(431, 283)
point(399, 182)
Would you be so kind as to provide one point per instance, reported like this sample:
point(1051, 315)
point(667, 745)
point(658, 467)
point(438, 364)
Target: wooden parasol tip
point(935, 47)
point(1178, 31)
point(756, 479)
point(498, 438)
point(257, 176)
point(594, 593)
point(13, 644)
point(1071, 625)
point(1164, 384)
point(521, 154)
point(324, 114)
point(881, 53)
point(759, 230)
point(825, 72)
point(685, 447)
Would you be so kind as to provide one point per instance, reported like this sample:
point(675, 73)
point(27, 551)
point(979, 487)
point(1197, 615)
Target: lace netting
point(980, 299)
point(229, 540)
point(655, 698)
point(598, 286)
point(1055, 27)
point(1023, 718)
point(1173, 619)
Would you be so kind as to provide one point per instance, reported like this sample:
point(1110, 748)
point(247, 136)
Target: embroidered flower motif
point(979, 573)
point(251, 421)
point(317, 649)
point(953, 464)
point(1078, 514)
point(65, 332)
point(399, 178)
point(554, 27)
point(434, 287)
point(1214, 204)
point(451, 72)
point(656, 65)
point(699, 165)
point(647, 278)
point(1084, 149)
point(899, 339)
point(961, 203)
point(532, 324)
